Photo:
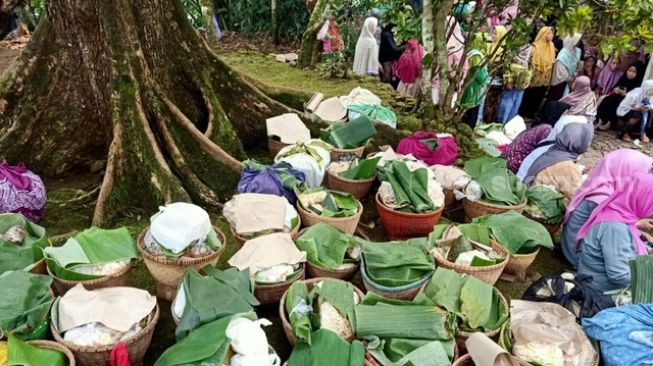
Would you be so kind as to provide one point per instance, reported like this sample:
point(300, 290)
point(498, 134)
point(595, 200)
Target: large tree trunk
point(310, 49)
point(130, 82)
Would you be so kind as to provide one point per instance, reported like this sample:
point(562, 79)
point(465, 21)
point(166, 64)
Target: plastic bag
point(313, 167)
point(247, 337)
point(257, 178)
point(180, 224)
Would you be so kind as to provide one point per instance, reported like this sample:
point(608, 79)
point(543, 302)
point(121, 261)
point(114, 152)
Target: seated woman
point(557, 166)
point(611, 171)
point(611, 238)
point(524, 144)
point(607, 110)
point(580, 102)
point(635, 111)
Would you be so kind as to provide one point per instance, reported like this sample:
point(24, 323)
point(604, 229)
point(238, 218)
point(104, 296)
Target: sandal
point(627, 138)
point(604, 126)
point(645, 139)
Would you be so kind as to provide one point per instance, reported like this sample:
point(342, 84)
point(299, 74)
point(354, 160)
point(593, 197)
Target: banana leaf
point(411, 352)
point(546, 203)
point(340, 295)
point(24, 303)
point(476, 232)
point(349, 135)
point(325, 245)
point(501, 186)
point(205, 346)
point(489, 146)
point(20, 257)
point(327, 349)
point(517, 233)
point(90, 247)
point(361, 170)
point(23, 354)
point(375, 112)
point(299, 310)
point(477, 166)
point(209, 298)
point(484, 129)
point(641, 272)
point(410, 188)
point(334, 204)
point(396, 265)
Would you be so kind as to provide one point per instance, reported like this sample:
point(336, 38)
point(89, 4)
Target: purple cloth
point(524, 144)
point(21, 191)
point(269, 181)
point(444, 154)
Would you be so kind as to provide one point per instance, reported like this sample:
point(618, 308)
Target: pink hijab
point(608, 174)
point(580, 89)
point(629, 204)
point(409, 65)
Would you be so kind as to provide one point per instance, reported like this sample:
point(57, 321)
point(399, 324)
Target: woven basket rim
point(42, 343)
point(493, 332)
point(337, 271)
point(299, 272)
point(95, 281)
point(295, 230)
point(337, 150)
point(392, 290)
point(153, 318)
point(379, 203)
point(181, 262)
point(501, 207)
point(481, 269)
point(522, 256)
point(351, 181)
point(327, 220)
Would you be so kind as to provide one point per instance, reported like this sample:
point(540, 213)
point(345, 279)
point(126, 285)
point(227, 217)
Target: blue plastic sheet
point(278, 179)
point(625, 334)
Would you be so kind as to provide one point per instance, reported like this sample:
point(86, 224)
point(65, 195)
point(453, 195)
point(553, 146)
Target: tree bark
point(130, 82)
point(208, 12)
point(309, 52)
point(273, 21)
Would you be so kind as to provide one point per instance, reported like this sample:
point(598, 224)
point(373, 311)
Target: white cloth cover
point(267, 251)
point(360, 95)
point(288, 127)
point(312, 169)
point(514, 127)
point(179, 224)
point(331, 110)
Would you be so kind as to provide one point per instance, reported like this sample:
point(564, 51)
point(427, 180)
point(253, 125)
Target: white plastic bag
point(313, 170)
point(514, 127)
point(180, 224)
point(247, 337)
point(255, 360)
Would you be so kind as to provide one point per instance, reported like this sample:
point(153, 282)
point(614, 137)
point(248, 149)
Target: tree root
point(109, 174)
point(77, 199)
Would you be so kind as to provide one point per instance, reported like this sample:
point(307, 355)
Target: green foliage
point(334, 66)
point(194, 11)
point(399, 12)
point(254, 16)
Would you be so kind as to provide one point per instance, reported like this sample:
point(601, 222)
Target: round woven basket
point(474, 209)
point(450, 201)
point(551, 228)
point(240, 240)
point(39, 267)
point(407, 292)
point(462, 335)
point(287, 328)
point(315, 271)
point(57, 347)
point(519, 263)
point(345, 224)
point(337, 153)
point(271, 294)
point(466, 360)
point(274, 146)
point(358, 188)
point(137, 345)
point(403, 225)
point(487, 274)
point(115, 280)
point(169, 273)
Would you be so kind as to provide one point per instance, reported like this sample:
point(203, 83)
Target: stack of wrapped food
point(21, 243)
point(254, 214)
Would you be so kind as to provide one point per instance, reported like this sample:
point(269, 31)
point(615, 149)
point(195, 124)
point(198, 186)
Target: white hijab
point(369, 28)
point(550, 139)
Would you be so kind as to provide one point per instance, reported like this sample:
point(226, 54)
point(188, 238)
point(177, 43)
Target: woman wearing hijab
point(455, 52)
point(409, 68)
point(609, 76)
point(612, 171)
point(607, 110)
point(565, 67)
point(516, 78)
point(557, 166)
point(590, 67)
point(580, 102)
point(330, 35)
point(543, 59)
point(366, 58)
point(389, 52)
point(635, 110)
point(610, 239)
point(524, 144)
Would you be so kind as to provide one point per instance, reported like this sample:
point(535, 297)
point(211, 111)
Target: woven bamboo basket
point(287, 328)
point(551, 228)
point(315, 271)
point(487, 274)
point(169, 273)
point(271, 294)
point(519, 263)
point(474, 209)
point(39, 267)
point(345, 224)
point(115, 280)
point(466, 360)
point(137, 345)
point(274, 146)
point(407, 292)
point(462, 335)
point(450, 201)
point(57, 347)
point(336, 153)
point(240, 240)
point(403, 225)
point(358, 188)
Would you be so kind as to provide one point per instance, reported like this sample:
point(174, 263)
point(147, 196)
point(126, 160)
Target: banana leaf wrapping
point(25, 354)
point(394, 264)
point(484, 129)
point(546, 204)
point(90, 247)
point(214, 296)
point(375, 112)
point(325, 245)
point(472, 240)
point(402, 332)
point(410, 188)
point(520, 235)
point(206, 345)
point(641, 273)
point(476, 304)
point(361, 169)
point(328, 203)
point(23, 256)
point(498, 184)
point(349, 135)
point(24, 304)
point(327, 349)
